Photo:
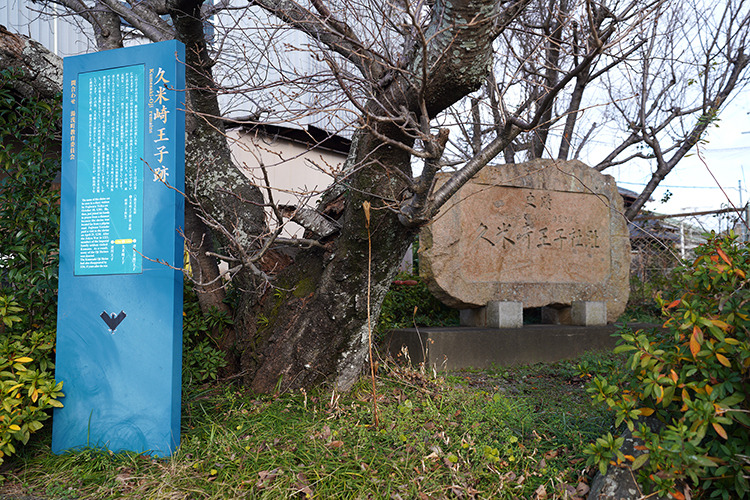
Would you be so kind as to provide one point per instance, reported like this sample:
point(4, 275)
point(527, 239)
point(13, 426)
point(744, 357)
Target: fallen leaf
point(335, 444)
point(265, 478)
point(541, 493)
point(457, 490)
point(566, 491)
point(325, 433)
point(582, 489)
point(302, 487)
point(125, 475)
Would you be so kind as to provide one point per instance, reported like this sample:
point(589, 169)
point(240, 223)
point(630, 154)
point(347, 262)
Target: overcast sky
point(726, 156)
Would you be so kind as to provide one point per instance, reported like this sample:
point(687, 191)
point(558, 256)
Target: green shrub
point(407, 305)
point(27, 385)
point(29, 234)
point(693, 377)
point(29, 203)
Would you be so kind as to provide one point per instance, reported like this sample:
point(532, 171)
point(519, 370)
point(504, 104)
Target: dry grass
point(515, 433)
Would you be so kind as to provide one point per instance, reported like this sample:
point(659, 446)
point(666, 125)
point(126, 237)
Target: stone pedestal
point(581, 313)
point(496, 314)
point(588, 313)
point(504, 314)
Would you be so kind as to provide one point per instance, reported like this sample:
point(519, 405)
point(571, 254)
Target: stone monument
point(547, 234)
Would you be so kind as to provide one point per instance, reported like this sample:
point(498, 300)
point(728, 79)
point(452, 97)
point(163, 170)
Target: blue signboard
point(119, 330)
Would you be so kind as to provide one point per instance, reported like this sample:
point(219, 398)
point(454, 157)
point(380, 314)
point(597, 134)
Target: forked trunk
point(315, 322)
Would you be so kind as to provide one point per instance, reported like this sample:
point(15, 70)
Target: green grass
point(499, 434)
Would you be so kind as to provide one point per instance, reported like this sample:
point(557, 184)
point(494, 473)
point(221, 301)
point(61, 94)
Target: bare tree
point(400, 69)
point(690, 65)
point(651, 94)
point(542, 69)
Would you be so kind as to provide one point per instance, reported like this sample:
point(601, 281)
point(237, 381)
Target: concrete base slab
point(482, 348)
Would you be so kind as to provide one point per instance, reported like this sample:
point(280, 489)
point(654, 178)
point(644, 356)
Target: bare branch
point(344, 43)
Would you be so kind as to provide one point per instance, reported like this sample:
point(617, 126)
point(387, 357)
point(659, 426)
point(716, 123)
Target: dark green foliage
point(29, 235)
point(694, 377)
point(399, 311)
point(642, 306)
point(201, 358)
point(29, 204)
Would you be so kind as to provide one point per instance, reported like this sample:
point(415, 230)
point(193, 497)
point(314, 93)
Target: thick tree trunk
point(216, 189)
point(315, 323)
point(312, 325)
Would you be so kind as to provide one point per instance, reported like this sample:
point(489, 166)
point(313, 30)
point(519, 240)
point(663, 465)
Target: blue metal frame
point(119, 332)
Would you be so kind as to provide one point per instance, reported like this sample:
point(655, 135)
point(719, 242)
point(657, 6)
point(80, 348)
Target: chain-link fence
point(659, 243)
point(658, 246)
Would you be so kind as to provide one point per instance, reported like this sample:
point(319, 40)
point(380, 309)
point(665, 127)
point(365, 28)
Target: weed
point(521, 431)
point(202, 358)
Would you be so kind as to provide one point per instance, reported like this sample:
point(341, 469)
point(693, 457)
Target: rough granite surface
point(546, 232)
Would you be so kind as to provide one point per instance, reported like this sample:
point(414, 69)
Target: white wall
point(59, 34)
point(298, 175)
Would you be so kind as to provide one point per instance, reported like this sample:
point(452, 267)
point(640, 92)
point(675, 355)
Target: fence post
point(682, 240)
